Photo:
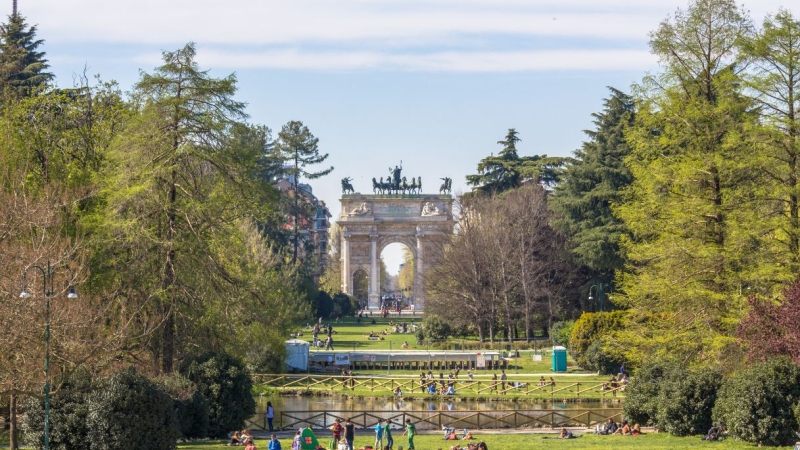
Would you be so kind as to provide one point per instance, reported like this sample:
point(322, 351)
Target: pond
point(319, 412)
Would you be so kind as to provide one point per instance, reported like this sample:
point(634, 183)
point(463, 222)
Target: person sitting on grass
point(250, 445)
point(625, 430)
point(610, 427)
point(451, 390)
point(713, 434)
point(405, 344)
point(542, 381)
point(398, 392)
point(637, 430)
point(245, 436)
point(467, 435)
point(235, 439)
point(565, 434)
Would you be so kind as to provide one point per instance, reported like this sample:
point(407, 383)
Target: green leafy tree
point(508, 170)
point(23, 68)
point(774, 82)
point(183, 191)
point(691, 205)
point(591, 184)
point(299, 149)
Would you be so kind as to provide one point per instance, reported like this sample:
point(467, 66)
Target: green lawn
point(350, 336)
point(525, 442)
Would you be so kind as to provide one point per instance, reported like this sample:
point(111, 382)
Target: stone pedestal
point(374, 302)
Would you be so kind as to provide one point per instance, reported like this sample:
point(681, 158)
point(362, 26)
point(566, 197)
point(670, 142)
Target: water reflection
point(313, 407)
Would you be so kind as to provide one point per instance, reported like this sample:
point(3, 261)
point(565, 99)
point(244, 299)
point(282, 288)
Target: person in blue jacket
point(274, 443)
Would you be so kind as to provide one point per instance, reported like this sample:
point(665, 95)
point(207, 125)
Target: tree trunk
point(12, 420)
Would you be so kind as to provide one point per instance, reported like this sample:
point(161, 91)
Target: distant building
point(314, 228)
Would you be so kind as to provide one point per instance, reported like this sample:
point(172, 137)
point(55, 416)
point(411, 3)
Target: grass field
point(526, 442)
point(350, 336)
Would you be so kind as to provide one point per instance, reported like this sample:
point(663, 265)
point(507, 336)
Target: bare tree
point(505, 268)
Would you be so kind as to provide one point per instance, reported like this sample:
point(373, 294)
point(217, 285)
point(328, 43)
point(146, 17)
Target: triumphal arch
point(396, 211)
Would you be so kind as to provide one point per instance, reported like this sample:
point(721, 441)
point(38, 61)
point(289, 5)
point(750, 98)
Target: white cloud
point(296, 21)
point(429, 62)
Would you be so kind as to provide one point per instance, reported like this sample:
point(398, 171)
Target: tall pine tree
point(22, 66)
point(774, 82)
point(593, 183)
point(508, 170)
point(298, 148)
point(691, 204)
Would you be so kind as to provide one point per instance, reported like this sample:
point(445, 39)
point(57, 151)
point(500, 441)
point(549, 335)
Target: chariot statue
point(346, 186)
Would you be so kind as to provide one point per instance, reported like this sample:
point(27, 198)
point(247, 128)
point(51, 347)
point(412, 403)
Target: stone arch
point(369, 223)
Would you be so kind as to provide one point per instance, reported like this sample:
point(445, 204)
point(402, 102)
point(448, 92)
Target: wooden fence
point(386, 385)
point(469, 419)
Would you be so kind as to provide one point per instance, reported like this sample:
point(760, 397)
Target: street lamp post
point(47, 288)
point(600, 290)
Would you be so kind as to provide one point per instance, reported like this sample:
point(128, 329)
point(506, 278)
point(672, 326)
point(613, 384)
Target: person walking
point(411, 430)
point(329, 343)
point(503, 379)
point(270, 415)
point(387, 430)
point(378, 435)
point(349, 433)
point(494, 383)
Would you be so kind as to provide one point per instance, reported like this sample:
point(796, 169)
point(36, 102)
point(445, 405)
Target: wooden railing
point(470, 419)
point(386, 385)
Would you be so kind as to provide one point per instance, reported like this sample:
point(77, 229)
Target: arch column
point(347, 279)
point(374, 273)
point(418, 271)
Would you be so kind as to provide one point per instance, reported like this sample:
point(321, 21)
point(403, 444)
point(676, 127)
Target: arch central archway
point(397, 275)
point(369, 223)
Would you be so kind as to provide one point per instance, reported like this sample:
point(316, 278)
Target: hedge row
point(760, 404)
point(210, 397)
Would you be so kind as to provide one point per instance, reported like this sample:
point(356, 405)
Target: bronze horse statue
point(346, 186)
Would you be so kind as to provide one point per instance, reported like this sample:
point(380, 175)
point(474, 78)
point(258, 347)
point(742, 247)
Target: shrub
point(561, 331)
point(131, 412)
point(641, 395)
point(68, 413)
point(435, 328)
point(686, 400)
point(192, 416)
point(600, 357)
point(226, 384)
point(591, 327)
point(322, 305)
point(191, 407)
point(756, 404)
point(344, 305)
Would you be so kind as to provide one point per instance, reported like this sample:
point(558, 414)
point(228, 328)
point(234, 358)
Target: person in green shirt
point(411, 430)
point(387, 431)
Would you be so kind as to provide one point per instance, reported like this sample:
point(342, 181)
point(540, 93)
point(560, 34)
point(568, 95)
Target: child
point(379, 435)
point(411, 430)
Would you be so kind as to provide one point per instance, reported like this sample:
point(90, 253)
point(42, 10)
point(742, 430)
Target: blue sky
point(435, 84)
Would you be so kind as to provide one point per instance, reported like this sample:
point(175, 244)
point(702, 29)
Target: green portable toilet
point(559, 359)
